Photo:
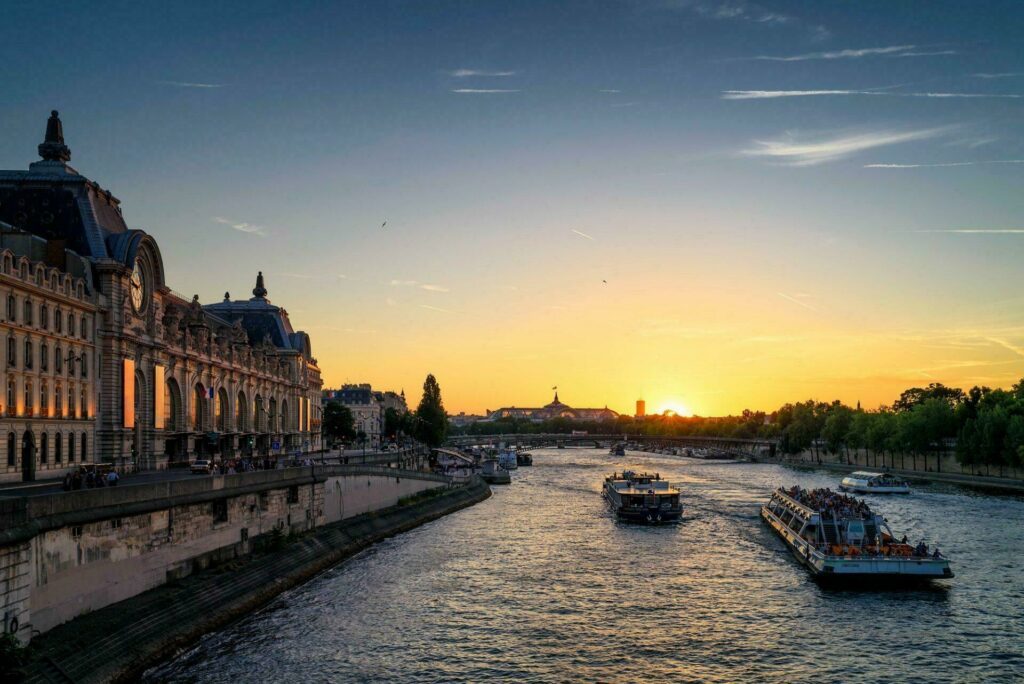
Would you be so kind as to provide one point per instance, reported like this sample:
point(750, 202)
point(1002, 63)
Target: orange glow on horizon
point(674, 408)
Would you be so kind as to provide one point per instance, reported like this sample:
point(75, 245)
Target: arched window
point(222, 410)
point(10, 449)
point(258, 417)
point(44, 316)
point(71, 400)
point(172, 406)
point(12, 352)
point(83, 455)
point(44, 398)
point(44, 448)
point(12, 309)
point(28, 353)
point(58, 401)
point(286, 420)
point(242, 413)
point(84, 367)
point(11, 396)
point(28, 312)
point(71, 447)
point(275, 421)
point(199, 408)
point(30, 403)
point(58, 320)
point(58, 361)
point(58, 448)
point(71, 324)
point(82, 328)
point(84, 404)
point(44, 356)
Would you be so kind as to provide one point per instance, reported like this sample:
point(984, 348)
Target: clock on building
point(138, 287)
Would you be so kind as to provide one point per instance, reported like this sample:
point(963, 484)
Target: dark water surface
point(541, 584)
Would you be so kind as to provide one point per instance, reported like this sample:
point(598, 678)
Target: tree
point(394, 422)
point(917, 395)
point(338, 423)
point(432, 421)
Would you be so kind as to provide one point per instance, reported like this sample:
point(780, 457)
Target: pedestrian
point(112, 478)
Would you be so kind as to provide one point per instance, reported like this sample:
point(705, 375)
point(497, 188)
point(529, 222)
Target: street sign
point(276, 445)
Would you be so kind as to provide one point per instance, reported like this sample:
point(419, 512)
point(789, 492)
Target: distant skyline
point(709, 204)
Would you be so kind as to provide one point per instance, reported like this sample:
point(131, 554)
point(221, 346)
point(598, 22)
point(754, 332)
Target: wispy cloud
point(434, 288)
point(856, 53)
point(1019, 351)
point(241, 226)
point(484, 91)
point(773, 94)
point(610, 91)
point(187, 84)
point(402, 283)
point(977, 231)
point(796, 300)
point(945, 164)
point(789, 151)
point(435, 308)
point(582, 234)
point(466, 73)
point(1005, 74)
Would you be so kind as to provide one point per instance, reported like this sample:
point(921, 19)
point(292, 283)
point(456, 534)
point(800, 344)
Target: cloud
point(946, 164)
point(241, 226)
point(401, 283)
point(796, 301)
point(465, 73)
point(1019, 351)
point(582, 234)
point(186, 84)
point(484, 91)
point(1005, 74)
point(434, 288)
point(855, 53)
point(610, 91)
point(623, 104)
point(977, 231)
point(773, 94)
point(794, 153)
point(435, 308)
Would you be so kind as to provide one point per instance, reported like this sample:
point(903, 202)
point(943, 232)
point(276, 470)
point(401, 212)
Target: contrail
point(582, 234)
point(796, 301)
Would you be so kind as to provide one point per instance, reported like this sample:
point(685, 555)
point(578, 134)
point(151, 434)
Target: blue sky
point(737, 170)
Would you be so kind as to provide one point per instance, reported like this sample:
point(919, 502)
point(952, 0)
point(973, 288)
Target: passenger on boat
point(826, 501)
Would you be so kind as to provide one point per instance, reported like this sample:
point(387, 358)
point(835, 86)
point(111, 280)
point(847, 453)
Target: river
point(541, 584)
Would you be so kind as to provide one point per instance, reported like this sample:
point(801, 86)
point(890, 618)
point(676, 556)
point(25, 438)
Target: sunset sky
point(708, 204)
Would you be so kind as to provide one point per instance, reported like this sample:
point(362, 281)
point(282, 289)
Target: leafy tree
point(432, 423)
point(917, 395)
point(338, 423)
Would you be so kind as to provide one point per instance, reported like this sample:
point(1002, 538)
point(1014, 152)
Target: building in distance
point(555, 409)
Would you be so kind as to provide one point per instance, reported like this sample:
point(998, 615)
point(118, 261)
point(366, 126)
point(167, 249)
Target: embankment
point(118, 642)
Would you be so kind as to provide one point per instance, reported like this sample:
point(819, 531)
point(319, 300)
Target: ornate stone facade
point(169, 379)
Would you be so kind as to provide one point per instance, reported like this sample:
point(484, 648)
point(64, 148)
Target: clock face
point(137, 285)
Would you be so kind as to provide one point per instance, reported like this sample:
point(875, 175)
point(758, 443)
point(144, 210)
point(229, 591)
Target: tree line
point(985, 426)
point(427, 424)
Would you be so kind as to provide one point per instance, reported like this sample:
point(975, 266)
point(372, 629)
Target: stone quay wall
point(67, 554)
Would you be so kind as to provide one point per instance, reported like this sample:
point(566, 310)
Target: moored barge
point(874, 483)
point(839, 539)
point(643, 498)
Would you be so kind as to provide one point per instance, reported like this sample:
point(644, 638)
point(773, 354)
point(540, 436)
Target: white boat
point(863, 482)
point(839, 539)
point(507, 459)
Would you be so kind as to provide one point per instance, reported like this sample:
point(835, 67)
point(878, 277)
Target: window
point(30, 403)
point(58, 451)
point(10, 449)
point(58, 320)
point(11, 401)
point(58, 401)
point(28, 312)
point(12, 352)
point(58, 361)
point(84, 359)
point(71, 447)
point(28, 353)
point(12, 309)
point(44, 448)
point(44, 356)
point(71, 400)
point(84, 405)
point(71, 324)
point(71, 363)
point(82, 328)
point(44, 317)
point(84, 452)
point(44, 399)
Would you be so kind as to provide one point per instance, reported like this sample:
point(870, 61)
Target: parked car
point(202, 466)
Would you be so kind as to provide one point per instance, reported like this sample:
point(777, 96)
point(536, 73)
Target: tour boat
point(507, 459)
point(874, 483)
point(492, 472)
point(524, 459)
point(838, 538)
point(618, 450)
point(640, 497)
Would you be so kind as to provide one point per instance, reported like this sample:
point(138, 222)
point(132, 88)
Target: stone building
point(367, 411)
point(167, 379)
point(555, 409)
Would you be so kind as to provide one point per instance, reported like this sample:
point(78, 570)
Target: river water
point(541, 584)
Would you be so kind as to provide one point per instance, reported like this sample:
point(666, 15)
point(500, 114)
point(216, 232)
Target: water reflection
point(542, 583)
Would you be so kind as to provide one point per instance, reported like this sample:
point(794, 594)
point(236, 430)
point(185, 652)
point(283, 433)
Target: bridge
point(724, 446)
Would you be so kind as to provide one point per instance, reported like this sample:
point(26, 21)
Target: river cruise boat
point(643, 498)
point(840, 539)
point(507, 459)
point(874, 483)
point(618, 450)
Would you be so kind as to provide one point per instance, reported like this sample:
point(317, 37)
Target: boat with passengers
point(839, 538)
point(863, 482)
point(643, 498)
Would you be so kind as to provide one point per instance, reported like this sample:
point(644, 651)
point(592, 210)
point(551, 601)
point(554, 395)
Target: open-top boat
point(864, 482)
point(644, 498)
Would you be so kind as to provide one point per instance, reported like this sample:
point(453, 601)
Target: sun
point(676, 408)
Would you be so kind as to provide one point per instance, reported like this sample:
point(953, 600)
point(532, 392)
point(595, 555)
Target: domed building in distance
point(555, 409)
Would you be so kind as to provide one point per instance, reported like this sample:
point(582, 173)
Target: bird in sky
point(384, 224)
point(605, 282)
